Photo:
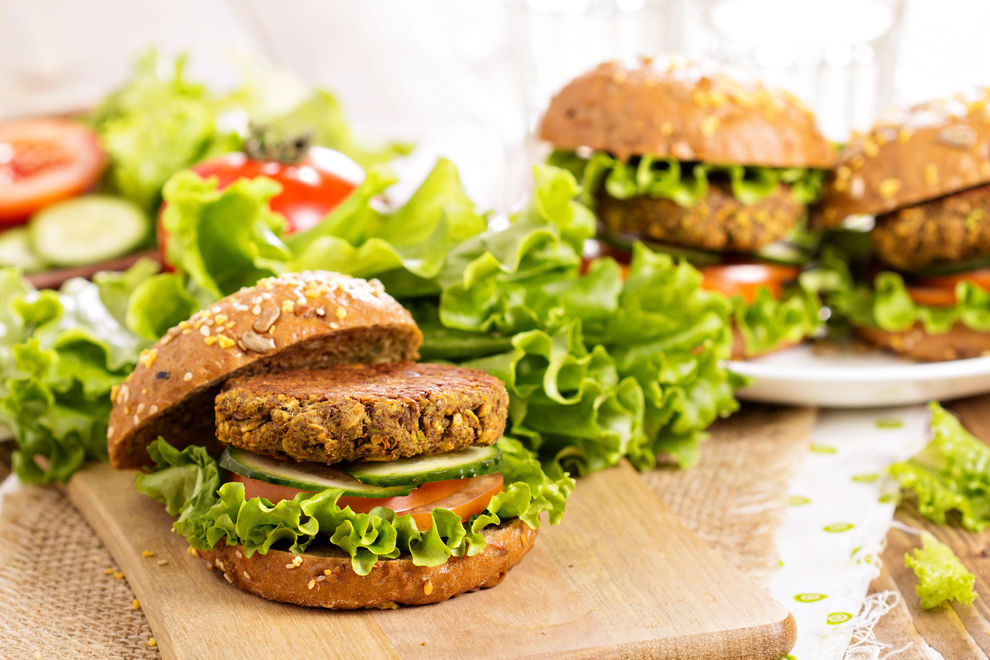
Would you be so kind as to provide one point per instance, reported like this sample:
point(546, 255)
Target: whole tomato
point(314, 181)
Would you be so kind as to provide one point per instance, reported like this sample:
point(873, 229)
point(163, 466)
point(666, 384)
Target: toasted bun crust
point(913, 155)
point(325, 580)
point(312, 319)
point(959, 343)
point(688, 110)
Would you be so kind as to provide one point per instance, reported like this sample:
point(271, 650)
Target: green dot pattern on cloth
point(835, 618)
point(798, 500)
point(888, 423)
point(835, 528)
point(809, 597)
point(822, 449)
point(865, 478)
point(887, 498)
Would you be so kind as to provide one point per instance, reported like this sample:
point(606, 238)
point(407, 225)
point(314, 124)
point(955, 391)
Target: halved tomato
point(746, 279)
point(43, 161)
point(465, 497)
point(940, 291)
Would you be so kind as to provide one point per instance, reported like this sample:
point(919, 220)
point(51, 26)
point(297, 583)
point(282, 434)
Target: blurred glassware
point(837, 55)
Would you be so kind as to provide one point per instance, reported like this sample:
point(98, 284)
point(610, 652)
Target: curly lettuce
point(60, 355)
point(767, 322)
point(684, 183)
point(950, 476)
point(599, 366)
point(941, 576)
point(887, 305)
point(188, 482)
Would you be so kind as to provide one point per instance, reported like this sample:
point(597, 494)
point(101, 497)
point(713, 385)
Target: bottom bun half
point(959, 343)
point(315, 579)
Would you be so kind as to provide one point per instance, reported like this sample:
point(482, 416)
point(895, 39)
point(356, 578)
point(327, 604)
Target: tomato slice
point(932, 296)
point(465, 497)
point(43, 161)
point(746, 279)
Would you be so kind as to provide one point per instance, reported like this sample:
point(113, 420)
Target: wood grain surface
point(579, 593)
point(955, 631)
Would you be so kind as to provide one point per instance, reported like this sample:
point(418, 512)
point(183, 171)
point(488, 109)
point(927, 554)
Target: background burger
point(704, 166)
point(924, 172)
point(349, 476)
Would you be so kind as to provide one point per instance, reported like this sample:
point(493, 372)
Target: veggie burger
point(310, 461)
point(924, 173)
point(681, 156)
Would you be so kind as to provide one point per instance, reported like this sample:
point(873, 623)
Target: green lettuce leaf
point(684, 183)
point(888, 305)
point(61, 353)
point(941, 576)
point(951, 476)
point(767, 322)
point(188, 483)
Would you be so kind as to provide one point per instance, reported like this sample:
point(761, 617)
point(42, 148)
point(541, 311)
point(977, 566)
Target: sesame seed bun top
point(687, 110)
point(299, 320)
point(912, 155)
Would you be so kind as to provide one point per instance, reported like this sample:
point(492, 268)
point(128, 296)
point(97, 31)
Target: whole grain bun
point(959, 343)
point(313, 319)
point(327, 579)
point(688, 110)
point(912, 155)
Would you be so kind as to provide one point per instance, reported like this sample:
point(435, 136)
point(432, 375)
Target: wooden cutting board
point(580, 593)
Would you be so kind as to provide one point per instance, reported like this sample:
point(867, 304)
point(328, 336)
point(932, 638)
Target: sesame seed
point(311, 584)
point(889, 187)
point(148, 357)
point(341, 313)
point(205, 331)
point(226, 576)
point(297, 560)
point(187, 376)
point(152, 642)
point(931, 174)
point(109, 431)
point(870, 148)
point(709, 125)
point(118, 575)
point(321, 311)
point(428, 588)
point(225, 341)
point(140, 408)
point(327, 572)
point(191, 550)
point(137, 420)
point(147, 553)
point(186, 331)
point(256, 310)
point(109, 571)
point(209, 341)
point(135, 605)
point(287, 306)
point(153, 409)
point(321, 578)
point(289, 566)
point(162, 562)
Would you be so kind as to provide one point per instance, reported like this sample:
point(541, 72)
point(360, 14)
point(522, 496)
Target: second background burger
point(695, 163)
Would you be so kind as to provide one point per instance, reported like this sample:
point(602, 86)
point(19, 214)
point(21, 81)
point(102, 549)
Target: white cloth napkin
point(842, 504)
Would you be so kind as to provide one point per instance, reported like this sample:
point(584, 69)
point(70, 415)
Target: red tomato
point(311, 188)
point(747, 279)
point(940, 291)
point(931, 296)
point(465, 497)
point(43, 161)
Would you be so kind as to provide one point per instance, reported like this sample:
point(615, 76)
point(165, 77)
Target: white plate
point(858, 379)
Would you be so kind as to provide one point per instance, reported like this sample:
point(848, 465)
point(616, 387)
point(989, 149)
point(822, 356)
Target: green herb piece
point(941, 576)
point(888, 423)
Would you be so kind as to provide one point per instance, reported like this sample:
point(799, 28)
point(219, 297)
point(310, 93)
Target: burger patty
point(951, 229)
point(362, 412)
point(718, 222)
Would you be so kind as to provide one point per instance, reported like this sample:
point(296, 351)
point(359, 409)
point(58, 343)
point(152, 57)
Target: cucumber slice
point(783, 252)
point(87, 230)
point(15, 250)
point(978, 263)
point(696, 257)
point(304, 476)
point(470, 462)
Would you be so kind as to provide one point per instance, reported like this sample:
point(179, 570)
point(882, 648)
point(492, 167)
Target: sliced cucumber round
point(696, 257)
point(470, 462)
point(15, 250)
point(304, 476)
point(87, 230)
point(783, 252)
